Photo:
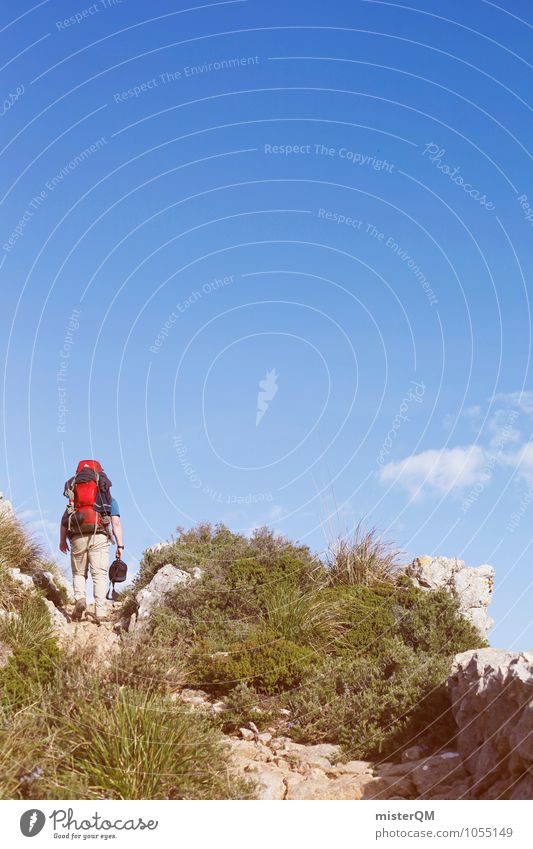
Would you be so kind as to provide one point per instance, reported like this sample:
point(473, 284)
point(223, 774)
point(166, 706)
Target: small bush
point(267, 663)
point(368, 705)
point(244, 704)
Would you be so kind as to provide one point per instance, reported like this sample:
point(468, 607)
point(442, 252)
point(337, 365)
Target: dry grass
point(17, 548)
point(362, 559)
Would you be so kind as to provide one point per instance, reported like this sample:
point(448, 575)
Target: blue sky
point(272, 261)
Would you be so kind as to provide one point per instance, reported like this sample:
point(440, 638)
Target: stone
point(473, 587)
point(396, 770)
point(265, 737)
point(446, 767)
point(164, 581)
point(25, 580)
point(523, 789)
point(246, 734)
point(51, 585)
point(58, 619)
point(491, 692)
point(390, 788)
point(413, 753)
point(244, 749)
point(270, 783)
point(353, 768)
point(59, 580)
point(317, 786)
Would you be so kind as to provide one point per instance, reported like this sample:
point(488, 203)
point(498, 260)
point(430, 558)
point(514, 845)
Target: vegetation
point(72, 728)
point(349, 646)
point(343, 650)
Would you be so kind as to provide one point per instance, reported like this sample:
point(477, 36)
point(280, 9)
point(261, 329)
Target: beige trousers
point(91, 550)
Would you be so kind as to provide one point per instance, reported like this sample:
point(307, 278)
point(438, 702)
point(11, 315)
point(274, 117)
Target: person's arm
point(63, 544)
point(117, 533)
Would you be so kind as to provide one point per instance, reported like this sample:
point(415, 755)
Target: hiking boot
point(79, 609)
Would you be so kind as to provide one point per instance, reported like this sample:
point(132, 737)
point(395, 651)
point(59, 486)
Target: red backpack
point(88, 492)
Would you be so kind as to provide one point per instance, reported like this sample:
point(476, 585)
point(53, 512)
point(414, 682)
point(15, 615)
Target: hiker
point(90, 522)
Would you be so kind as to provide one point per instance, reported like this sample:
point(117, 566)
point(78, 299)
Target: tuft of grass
point(143, 746)
point(31, 664)
point(17, 548)
point(362, 559)
point(309, 618)
point(20, 550)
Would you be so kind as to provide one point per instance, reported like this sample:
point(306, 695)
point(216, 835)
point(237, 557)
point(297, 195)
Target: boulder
point(434, 772)
point(492, 702)
point(58, 619)
point(413, 753)
point(269, 781)
point(153, 594)
point(317, 785)
point(55, 586)
point(471, 586)
point(25, 580)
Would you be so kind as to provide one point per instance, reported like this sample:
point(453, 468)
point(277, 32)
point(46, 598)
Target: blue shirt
point(115, 510)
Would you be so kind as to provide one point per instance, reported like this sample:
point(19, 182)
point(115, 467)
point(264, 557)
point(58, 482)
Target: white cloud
point(520, 400)
point(522, 461)
point(440, 471)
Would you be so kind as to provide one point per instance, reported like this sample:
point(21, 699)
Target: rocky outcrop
point(492, 703)
point(471, 586)
point(283, 769)
point(166, 579)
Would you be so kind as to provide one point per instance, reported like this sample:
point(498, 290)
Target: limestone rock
point(52, 586)
point(163, 582)
point(58, 619)
point(413, 753)
point(492, 703)
point(61, 581)
point(444, 768)
point(25, 580)
point(352, 768)
point(472, 586)
point(316, 785)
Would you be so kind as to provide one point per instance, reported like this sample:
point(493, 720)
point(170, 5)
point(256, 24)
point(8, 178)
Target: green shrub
point(268, 663)
point(215, 549)
point(431, 622)
point(368, 705)
point(242, 705)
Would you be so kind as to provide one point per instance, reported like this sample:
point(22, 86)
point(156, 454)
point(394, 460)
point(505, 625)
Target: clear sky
point(267, 261)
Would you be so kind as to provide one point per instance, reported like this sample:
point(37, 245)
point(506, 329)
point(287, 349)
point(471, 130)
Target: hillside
point(242, 667)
